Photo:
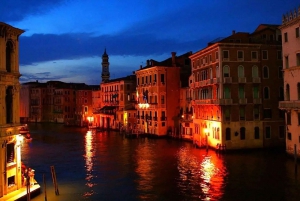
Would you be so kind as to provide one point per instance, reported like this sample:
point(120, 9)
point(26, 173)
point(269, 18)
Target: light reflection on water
point(89, 155)
point(201, 176)
point(107, 166)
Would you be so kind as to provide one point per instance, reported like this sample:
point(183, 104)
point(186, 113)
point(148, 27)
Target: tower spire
point(105, 67)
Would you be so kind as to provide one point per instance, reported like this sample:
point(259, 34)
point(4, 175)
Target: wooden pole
point(54, 180)
point(295, 157)
point(45, 187)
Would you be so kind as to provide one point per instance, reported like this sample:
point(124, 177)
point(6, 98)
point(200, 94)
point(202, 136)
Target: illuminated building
point(237, 83)
point(10, 153)
point(117, 102)
point(291, 68)
point(158, 94)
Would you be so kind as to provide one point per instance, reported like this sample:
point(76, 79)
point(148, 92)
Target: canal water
point(106, 166)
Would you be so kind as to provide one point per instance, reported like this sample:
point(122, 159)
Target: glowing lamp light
point(143, 105)
point(19, 139)
point(182, 116)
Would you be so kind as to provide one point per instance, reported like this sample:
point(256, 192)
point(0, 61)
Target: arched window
point(228, 134)
point(266, 72)
point(9, 57)
point(287, 92)
point(254, 71)
point(226, 71)
point(241, 71)
point(243, 133)
point(266, 93)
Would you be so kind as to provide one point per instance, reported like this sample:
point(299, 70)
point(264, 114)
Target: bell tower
point(105, 67)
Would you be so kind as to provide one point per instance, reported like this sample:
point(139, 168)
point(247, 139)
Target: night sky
point(65, 39)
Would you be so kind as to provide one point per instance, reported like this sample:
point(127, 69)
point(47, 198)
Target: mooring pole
point(54, 180)
point(44, 181)
point(295, 157)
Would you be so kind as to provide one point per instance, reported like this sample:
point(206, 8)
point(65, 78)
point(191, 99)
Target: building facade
point(291, 67)
point(10, 153)
point(158, 94)
point(117, 102)
point(237, 84)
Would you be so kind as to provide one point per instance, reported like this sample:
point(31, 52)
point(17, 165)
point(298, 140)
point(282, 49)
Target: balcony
point(256, 79)
point(242, 80)
point(289, 105)
point(187, 118)
point(256, 100)
point(226, 102)
point(154, 118)
point(227, 80)
point(243, 101)
point(203, 101)
point(192, 85)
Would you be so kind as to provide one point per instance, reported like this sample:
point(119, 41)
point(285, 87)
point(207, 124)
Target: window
point(288, 118)
point(254, 71)
point(281, 132)
point(280, 74)
point(266, 93)
point(265, 54)
point(285, 37)
point(254, 55)
point(287, 92)
point(243, 133)
point(297, 32)
point(163, 124)
point(241, 92)
point(240, 55)
point(226, 71)
point(279, 54)
point(225, 55)
point(162, 78)
point(227, 114)
point(256, 132)
point(268, 132)
point(241, 71)
point(256, 113)
point(217, 55)
point(242, 113)
point(162, 99)
point(255, 92)
point(267, 113)
point(289, 136)
point(286, 58)
point(227, 94)
point(228, 134)
point(298, 90)
point(298, 59)
point(10, 153)
point(266, 72)
point(154, 77)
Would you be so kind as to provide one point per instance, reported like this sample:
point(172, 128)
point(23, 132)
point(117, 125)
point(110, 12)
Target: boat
point(24, 129)
point(28, 138)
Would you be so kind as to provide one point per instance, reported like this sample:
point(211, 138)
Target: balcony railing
point(242, 80)
point(243, 101)
point(289, 104)
point(257, 101)
point(226, 101)
point(163, 118)
point(154, 118)
point(256, 79)
point(227, 80)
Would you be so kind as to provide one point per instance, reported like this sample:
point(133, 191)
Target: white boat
point(24, 129)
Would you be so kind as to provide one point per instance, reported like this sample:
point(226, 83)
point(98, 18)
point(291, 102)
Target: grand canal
point(107, 166)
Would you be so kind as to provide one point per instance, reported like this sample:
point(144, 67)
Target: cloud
point(16, 10)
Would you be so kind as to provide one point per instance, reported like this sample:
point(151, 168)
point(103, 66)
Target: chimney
point(141, 66)
point(233, 32)
point(173, 58)
point(148, 62)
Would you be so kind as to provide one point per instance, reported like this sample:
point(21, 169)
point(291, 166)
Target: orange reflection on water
point(201, 176)
point(89, 154)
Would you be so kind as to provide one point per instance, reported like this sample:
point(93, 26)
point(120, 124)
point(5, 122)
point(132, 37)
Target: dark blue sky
point(65, 39)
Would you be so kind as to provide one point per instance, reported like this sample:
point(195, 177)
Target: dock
point(21, 194)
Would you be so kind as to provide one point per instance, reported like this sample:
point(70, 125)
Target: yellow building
point(10, 154)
